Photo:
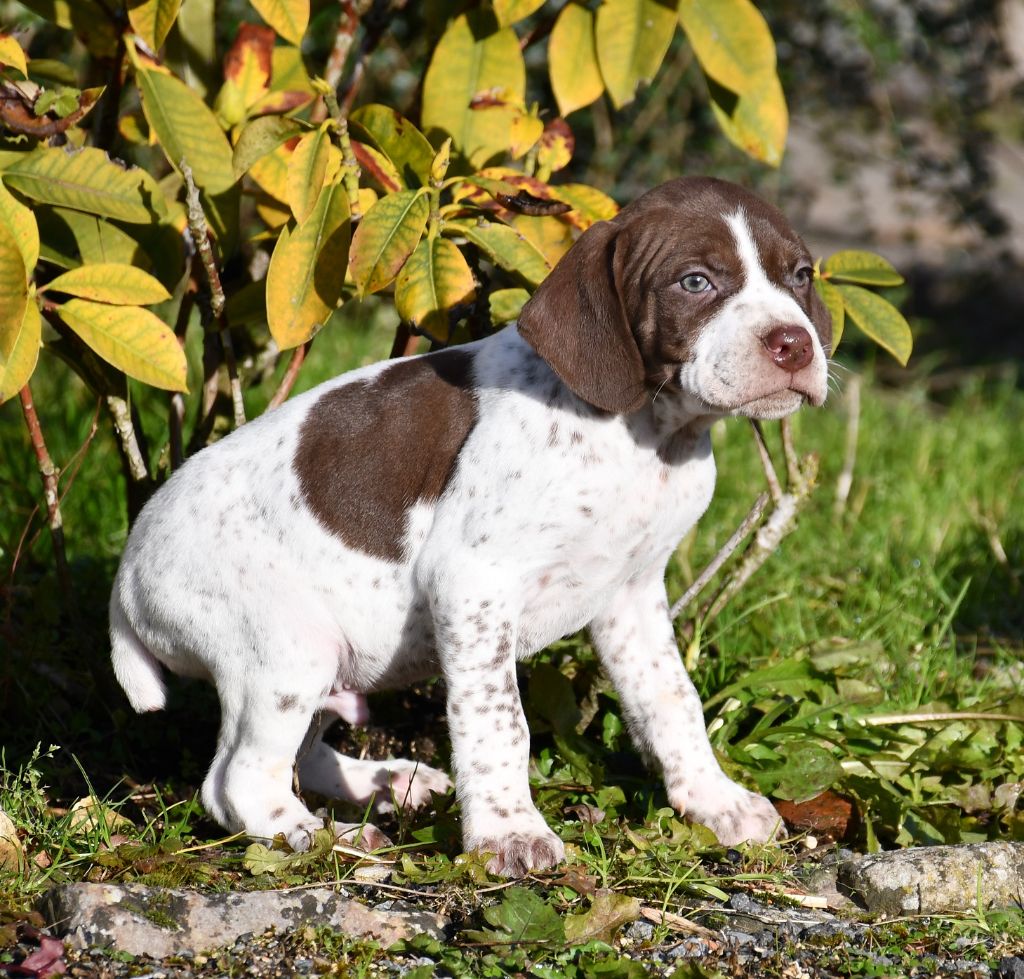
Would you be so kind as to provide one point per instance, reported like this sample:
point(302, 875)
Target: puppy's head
point(698, 287)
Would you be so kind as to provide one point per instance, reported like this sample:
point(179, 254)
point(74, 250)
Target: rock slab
point(161, 922)
point(937, 879)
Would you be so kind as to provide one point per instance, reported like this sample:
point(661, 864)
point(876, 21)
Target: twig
point(789, 452)
point(129, 441)
point(405, 343)
point(933, 717)
point(176, 409)
point(739, 535)
point(676, 922)
point(348, 22)
point(291, 375)
point(198, 226)
point(845, 481)
point(376, 16)
point(49, 473)
point(766, 462)
point(105, 128)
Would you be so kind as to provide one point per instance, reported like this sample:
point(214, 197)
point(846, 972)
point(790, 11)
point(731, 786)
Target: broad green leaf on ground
point(306, 172)
point(131, 338)
point(757, 121)
point(632, 38)
point(572, 59)
point(17, 358)
point(152, 19)
point(473, 57)
point(386, 237)
point(506, 304)
point(879, 319)
point(260, 137)
point(11, 53)
point(731, 40)
point(608, 912)
point(19, 350)
point(247, 68)
point(86, 180)
point(588, 204)
point(806, 770)
point(862, 268)
point(433, 280)
point(509, 12)
point(21, 223)
point(522, 916)
point(398, 139)
point(307, 270)
point(122, 285)
point(505, 246)
point(833, 301)
point(186, 128)
point(289, 18)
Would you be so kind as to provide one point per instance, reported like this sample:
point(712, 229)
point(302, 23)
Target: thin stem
point(129, 440)
point(49, 473)
point(845, 481)
point(405, 343)
point(348, 22)
point(291, 375)
point(793, 473)
point(766, 462)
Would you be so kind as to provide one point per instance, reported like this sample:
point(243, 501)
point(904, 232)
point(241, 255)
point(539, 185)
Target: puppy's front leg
point(636, 645)
point(476, 638)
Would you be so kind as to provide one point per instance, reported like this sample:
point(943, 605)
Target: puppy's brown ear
point(577, 322)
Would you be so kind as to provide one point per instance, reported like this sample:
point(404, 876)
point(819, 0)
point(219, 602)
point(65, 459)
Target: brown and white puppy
point(452, 513)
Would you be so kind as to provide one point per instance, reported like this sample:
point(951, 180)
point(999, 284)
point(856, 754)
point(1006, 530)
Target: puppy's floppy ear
point(577, 322)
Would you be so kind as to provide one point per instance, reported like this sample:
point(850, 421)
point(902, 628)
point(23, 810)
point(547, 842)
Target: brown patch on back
point(371, 449)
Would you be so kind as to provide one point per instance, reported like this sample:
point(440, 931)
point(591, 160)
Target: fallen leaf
point(828, 816)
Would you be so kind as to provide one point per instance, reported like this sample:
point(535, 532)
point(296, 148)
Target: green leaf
point(509, 12)
point(473, 57)
point(879, 320)
point(17, 355)
point(757, 121)
point(261, 137)
point(289, 18)
point(153, 19)
point(96, 239)
point(863, 268)
point(833, 301)
point(21, 223)
point(632, 39)
point(522, 916)
point(506, 304)
point(572, 59)
point(307, 270)
point(386, 237)
point(108, 282)
point(731, 40)
point(398, 139)
point(86, 180)
point(504, 246)
point(133, 339)
point(306, 172)
point(608, 912)
point(433, 280)
point(807, 770)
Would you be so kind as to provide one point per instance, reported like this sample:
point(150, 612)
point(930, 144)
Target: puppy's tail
point(136, 668)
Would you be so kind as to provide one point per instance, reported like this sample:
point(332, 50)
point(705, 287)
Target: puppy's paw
point(410, 785)
point(741, 817)
point(517, 853)
point(364, 836)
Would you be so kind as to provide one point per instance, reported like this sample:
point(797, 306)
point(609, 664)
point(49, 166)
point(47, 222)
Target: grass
point(874, 656)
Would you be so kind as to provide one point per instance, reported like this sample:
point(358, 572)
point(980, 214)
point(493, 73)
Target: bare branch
point(348, 22)
point(739, 535)
point(291, 375)
point(793, 474)
point(766, 462)
point(129, 441)
point(845, 481)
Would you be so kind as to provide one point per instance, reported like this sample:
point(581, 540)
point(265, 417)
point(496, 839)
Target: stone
point(753, 917)
point(161, 922)
point(1011, 967)
point(937, 879)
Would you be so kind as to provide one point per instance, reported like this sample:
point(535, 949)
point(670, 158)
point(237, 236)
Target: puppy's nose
point(789, 347)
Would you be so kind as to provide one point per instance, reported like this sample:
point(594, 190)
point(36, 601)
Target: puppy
point(456, 512)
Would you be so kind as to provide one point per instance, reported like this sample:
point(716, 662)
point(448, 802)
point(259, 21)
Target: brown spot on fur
point(371, 449)
point(286, 702)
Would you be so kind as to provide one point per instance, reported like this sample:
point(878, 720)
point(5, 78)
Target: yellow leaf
point(756, 122)
point(86, 180)
point(505, 246)
point(524, 132)
point(572, 59)
point(153, 19)
point(260, 137)
point(879, 320)
point(473, 58)
point(12, 54)
point(187, 128)
point(307, 170)
point(386, 237)
point(110, 282)
point(864, 268)
point(632, 38)
point(506, 304)
point(133, 339)
point(101, 241)
point(270, 172)
point(509, 12)
point(247, 69)
point(289, 18)
point(551, 236)
point(833, 301)
point(398, 139)
point(433, 280)
point(731, 40)
point(19, 333)
point(21, 223)
point(307, 270)
point(588, 204)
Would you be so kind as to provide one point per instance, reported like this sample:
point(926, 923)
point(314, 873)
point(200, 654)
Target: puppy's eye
point(803, 276)
point(695, 282)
